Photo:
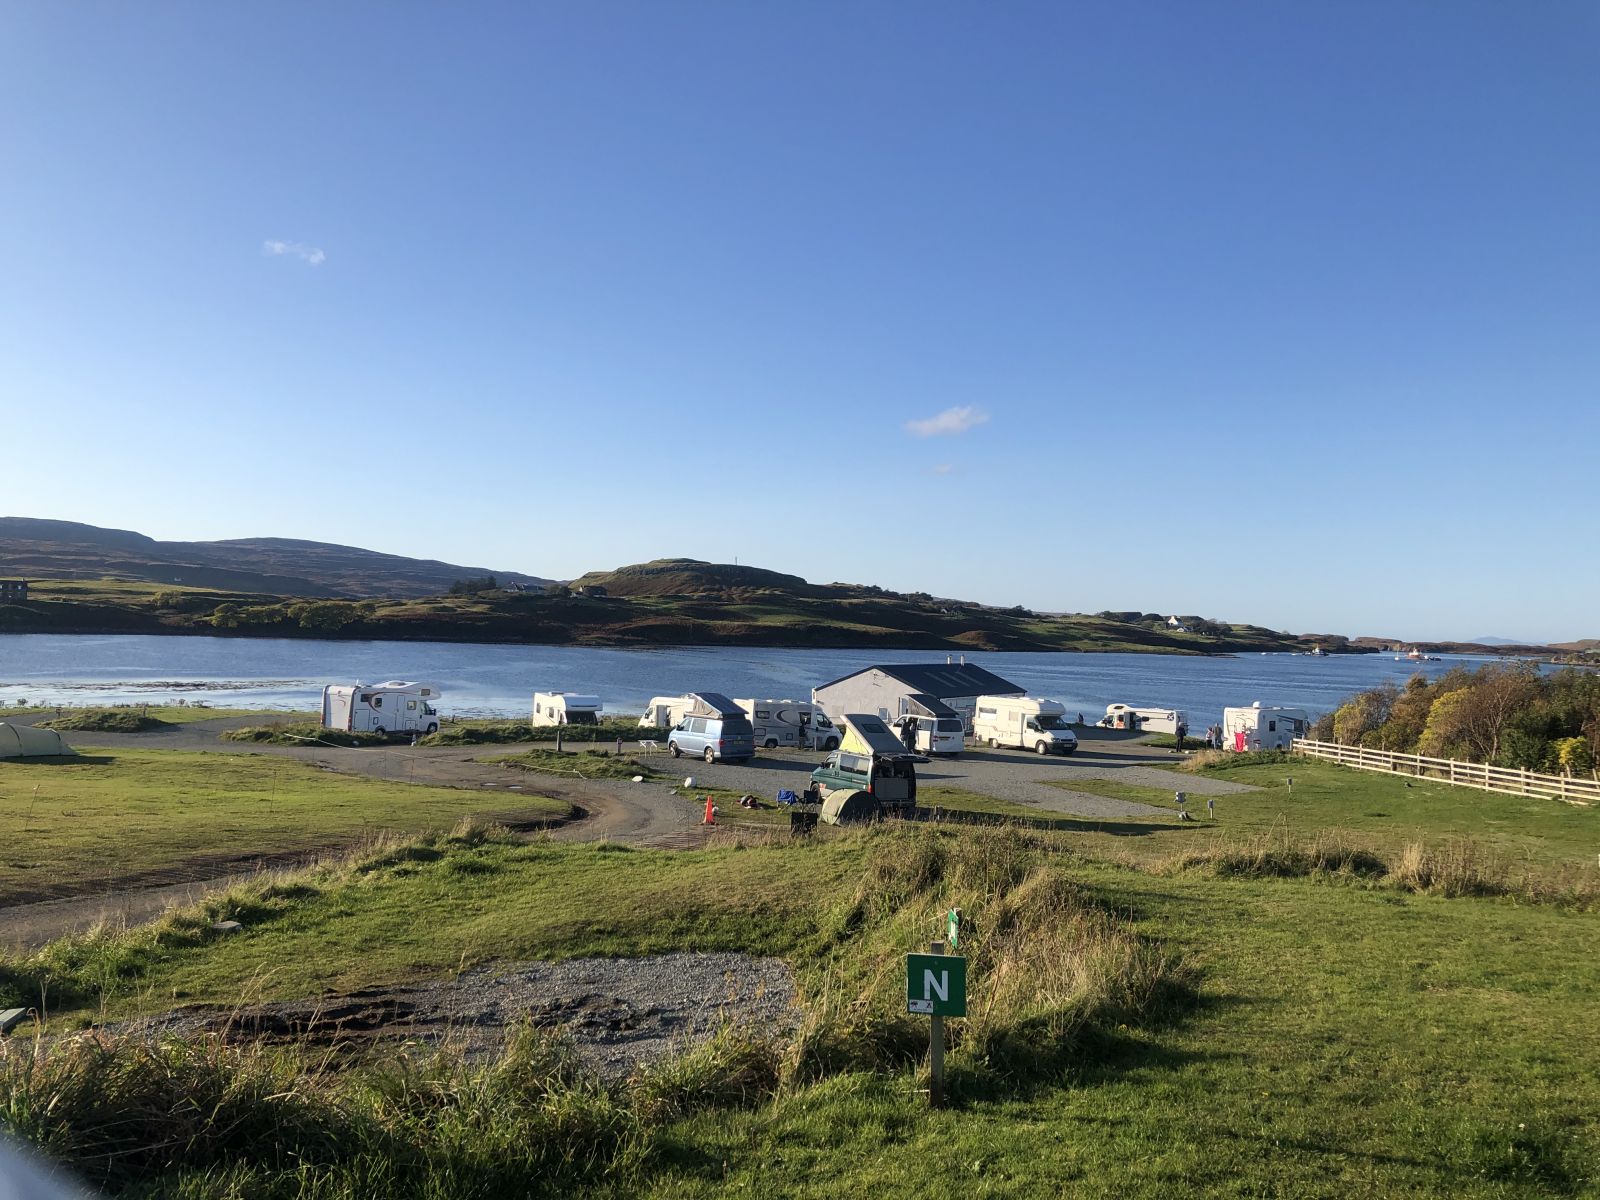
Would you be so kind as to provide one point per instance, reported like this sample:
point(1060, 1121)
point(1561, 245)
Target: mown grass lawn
point(112, 814)
point(1378, 811)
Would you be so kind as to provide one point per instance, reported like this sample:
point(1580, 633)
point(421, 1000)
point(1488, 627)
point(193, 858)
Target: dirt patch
point(619, 1012)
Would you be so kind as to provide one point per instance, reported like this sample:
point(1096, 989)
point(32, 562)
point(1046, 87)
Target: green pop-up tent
point(24, 741)
point(849, 808)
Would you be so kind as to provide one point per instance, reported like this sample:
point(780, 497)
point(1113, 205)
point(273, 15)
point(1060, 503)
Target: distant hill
point(1579, 646)
point(36, 548)
point(691, 577)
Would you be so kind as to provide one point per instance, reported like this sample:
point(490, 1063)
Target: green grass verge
point(580, 764)
point(119, 814)
point(476, 733)
point(305, 733)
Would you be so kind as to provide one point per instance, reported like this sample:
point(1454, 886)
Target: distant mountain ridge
point(31, 546)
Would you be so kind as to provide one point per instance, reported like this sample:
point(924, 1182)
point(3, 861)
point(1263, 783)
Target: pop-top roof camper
point(929, 724)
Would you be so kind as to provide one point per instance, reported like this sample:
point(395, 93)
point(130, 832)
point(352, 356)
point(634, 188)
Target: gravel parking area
point(619, 1012)
point(1012, 775)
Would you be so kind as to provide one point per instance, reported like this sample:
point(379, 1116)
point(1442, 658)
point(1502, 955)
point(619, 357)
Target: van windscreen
point(737, 726)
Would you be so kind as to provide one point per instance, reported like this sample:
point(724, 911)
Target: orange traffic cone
point(711, 811)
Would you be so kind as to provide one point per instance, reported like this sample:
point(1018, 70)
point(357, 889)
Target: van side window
point(762, 714)
point(366, 697)
point(377, 702)
point(986, 712)
point(411, 706)
point(1272, 727)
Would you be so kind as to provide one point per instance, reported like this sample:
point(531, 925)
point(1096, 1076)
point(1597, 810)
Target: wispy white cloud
point(942, 468)
point(951, 420)
point(307, 254)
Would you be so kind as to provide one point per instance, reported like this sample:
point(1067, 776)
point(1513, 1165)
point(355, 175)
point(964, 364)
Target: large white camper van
point(1145, 720)
point(392, 707)
point(566, 708)
point(1258, 728)
point(1024, 723)
point(797, 723)
point(664, 712)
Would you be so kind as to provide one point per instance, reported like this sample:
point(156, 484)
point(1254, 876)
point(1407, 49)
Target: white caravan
point(797, 723)
point(1024, 723)
point(392, 707)
point(664, 712)
point(1258, 728)
point(1145, 720)
point(566, 708)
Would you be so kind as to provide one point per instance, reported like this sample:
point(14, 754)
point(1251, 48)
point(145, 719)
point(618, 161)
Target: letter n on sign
point(936, 984)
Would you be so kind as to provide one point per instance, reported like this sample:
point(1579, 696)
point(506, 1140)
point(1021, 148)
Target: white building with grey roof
point(900, 689)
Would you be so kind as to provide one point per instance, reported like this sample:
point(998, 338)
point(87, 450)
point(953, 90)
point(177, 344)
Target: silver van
point(716, 728)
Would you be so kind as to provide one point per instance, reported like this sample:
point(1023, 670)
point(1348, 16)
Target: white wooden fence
point(1509, 780)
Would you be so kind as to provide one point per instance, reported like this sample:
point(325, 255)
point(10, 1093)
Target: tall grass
point(1046, 962)
point(1456, 867)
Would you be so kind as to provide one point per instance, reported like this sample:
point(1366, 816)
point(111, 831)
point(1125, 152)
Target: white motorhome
point(1258, 728)
point(664, 712)
point(1024, 723)
point(1146, 720)
point(566, 708)
point(392, 707)
point(797, 723)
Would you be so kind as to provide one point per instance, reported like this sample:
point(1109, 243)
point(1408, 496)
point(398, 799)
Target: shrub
point(299, 733)
point(107, 720)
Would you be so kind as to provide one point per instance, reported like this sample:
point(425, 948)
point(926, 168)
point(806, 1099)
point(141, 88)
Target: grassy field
point(123, 813)
point(1139, 1027)
point(1378, 812)
point(1312, 1041)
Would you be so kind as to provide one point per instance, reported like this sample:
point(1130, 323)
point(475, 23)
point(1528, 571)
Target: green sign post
point(936, 984)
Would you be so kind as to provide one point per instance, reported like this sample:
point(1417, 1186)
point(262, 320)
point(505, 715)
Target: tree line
point(1508, 715)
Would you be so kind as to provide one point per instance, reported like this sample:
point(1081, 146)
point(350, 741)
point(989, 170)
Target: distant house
point(13, 591)
point(515, 589)
point(1176, 625)
point(592, 589)
point(896, 690)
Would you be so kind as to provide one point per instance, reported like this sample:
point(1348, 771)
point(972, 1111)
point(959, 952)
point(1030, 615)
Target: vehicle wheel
point(672, 748)
point(771, 743)
point(1043, 747)
point(710, 755)
point(431, 729)
point(994, 744)
point(380, 731)
point(831, 744)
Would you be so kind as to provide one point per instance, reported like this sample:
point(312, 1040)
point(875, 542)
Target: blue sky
point(1274, 312)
